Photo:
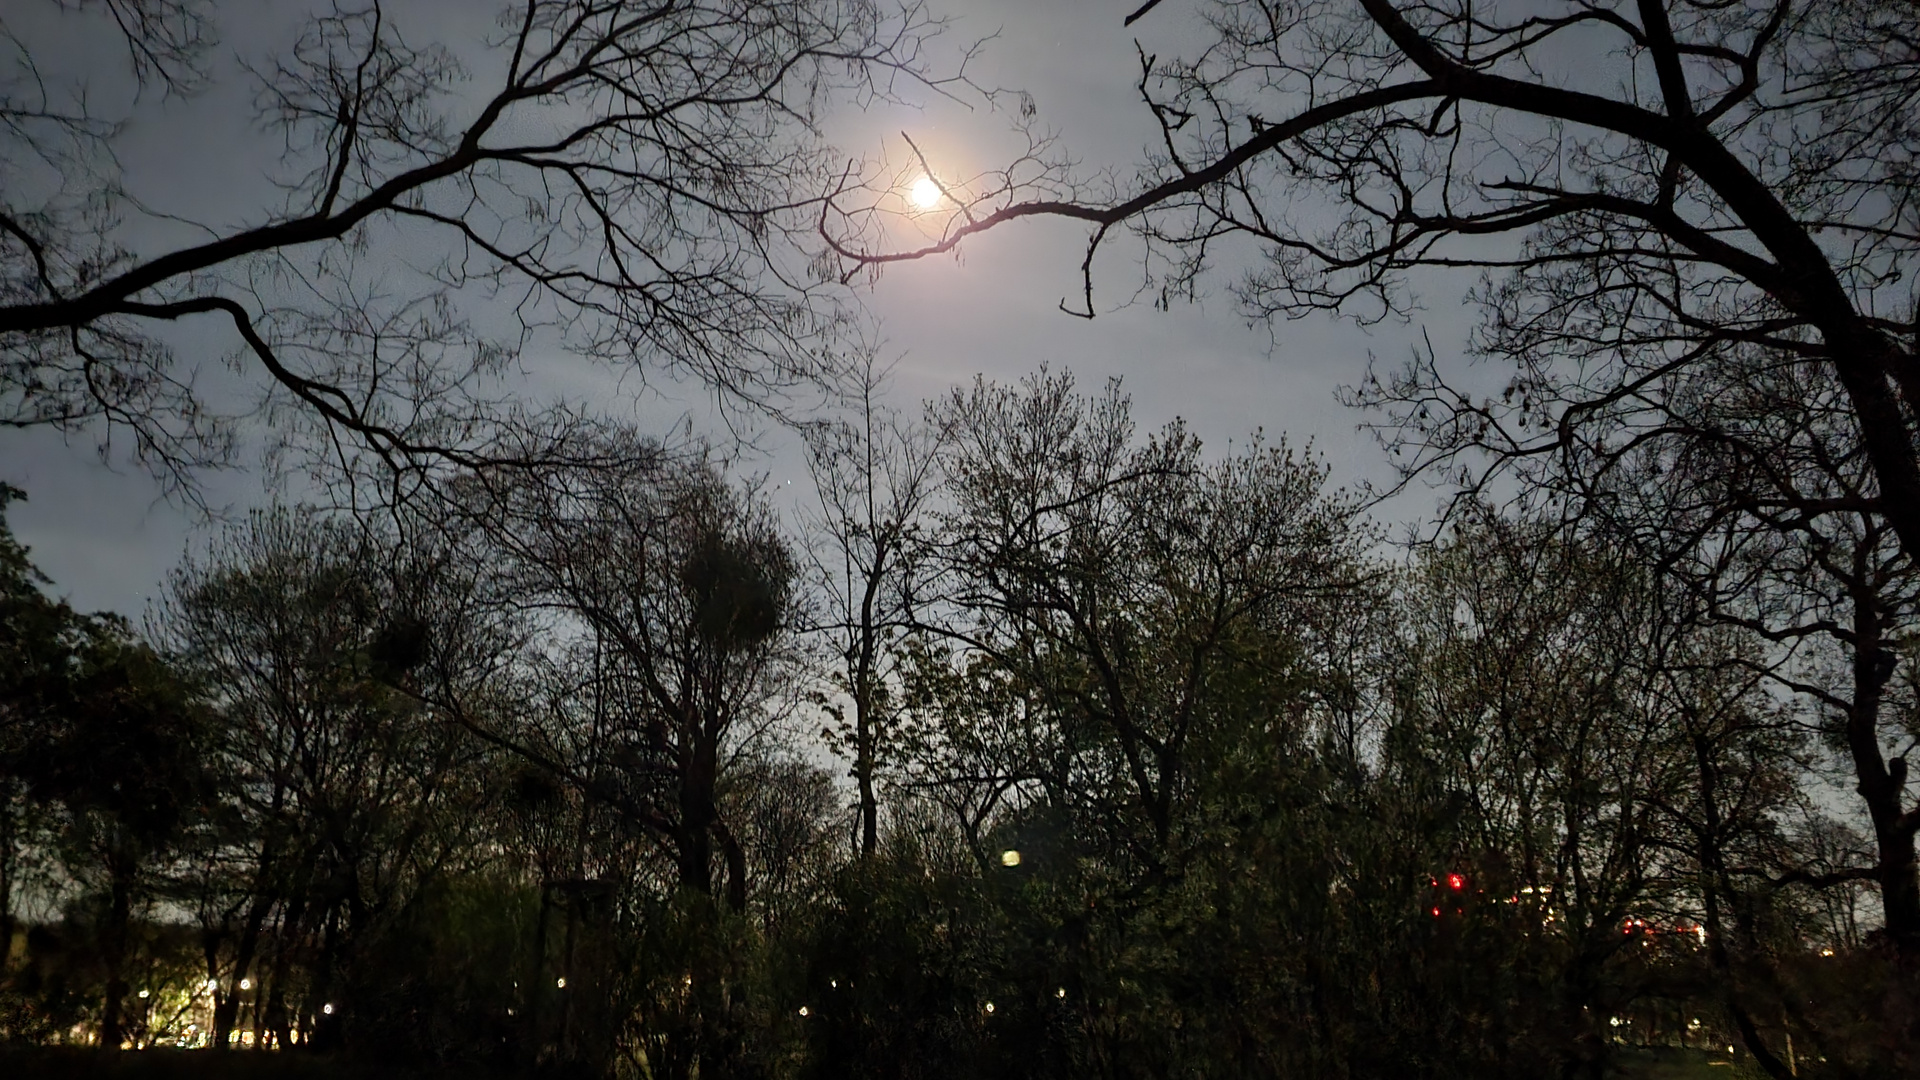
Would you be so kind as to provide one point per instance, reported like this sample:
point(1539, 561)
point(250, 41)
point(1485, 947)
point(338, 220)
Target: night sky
point(107, 535)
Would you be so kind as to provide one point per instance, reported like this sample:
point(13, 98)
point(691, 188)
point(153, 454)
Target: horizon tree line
point(1170, 763)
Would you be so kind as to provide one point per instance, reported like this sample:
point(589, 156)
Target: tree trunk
point(697, 816)
point(226, 1006)
point(863, 762)
point(9, 829)
point(113, 949)
point(539, 977)
point(864, 735)
point(277, 1015)
point(1882, 785)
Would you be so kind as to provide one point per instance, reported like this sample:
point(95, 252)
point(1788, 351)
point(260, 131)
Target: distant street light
point(1009, 857)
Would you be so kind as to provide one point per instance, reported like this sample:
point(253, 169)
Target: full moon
point(925, 193)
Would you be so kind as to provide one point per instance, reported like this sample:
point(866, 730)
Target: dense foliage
point(1177, 770)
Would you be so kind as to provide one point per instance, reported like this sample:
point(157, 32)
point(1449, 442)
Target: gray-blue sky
point(107, 536)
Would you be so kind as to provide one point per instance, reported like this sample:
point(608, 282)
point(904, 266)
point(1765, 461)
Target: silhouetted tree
point(1738, 176)
point(641, 176)
point(348, 795)
point(875, 474)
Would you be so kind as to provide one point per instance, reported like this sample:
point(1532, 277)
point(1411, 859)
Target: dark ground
point(63, 1063)
point(59, 1063)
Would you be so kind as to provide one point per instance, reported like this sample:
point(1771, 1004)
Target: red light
point(1456, 882)
point(1436, 913)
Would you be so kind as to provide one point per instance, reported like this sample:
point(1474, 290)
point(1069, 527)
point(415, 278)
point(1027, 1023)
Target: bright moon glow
point(925, 193)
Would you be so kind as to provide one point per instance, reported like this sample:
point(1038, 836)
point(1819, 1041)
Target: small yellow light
point(246, 984)
point(1060, 993)
point(989, 1006)
point(1009, 857)
point(803, 1010)
point(560, 983)
point(328, 1009)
